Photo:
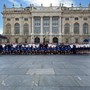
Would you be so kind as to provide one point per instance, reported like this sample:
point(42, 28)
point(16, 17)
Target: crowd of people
point(45, 49)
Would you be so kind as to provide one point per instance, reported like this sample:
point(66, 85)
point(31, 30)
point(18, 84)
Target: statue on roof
point(4, 6)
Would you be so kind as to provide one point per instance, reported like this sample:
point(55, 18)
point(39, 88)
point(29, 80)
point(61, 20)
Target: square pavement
point(44, 72)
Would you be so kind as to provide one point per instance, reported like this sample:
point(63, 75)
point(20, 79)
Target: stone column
point(41, 37)
point(12, 26)
point(21, 25)
point(32, 31)
point(32, 39)
point(60, 33)
point(89, 26)
point(72, 29)
point(50, 33)
point(4, 25)
point(30, 25)
point(81, 25)
point(12, 40)
point(50, 39)
point(81, 28)
point(62, 30)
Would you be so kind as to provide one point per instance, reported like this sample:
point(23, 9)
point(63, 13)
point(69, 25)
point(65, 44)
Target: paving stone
point(45, 72)
point(31, 66)
point(7, 88)
point(70, 71)
point(13, 71)
point(2, 78)
point(82, 80)
point(57, 81)
point(62, 88)
point(46, 88)
point(41, 71)
point(23, 88)
point(18, 80)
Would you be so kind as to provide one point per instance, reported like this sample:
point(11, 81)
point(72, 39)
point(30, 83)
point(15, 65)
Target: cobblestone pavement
point(44, 72)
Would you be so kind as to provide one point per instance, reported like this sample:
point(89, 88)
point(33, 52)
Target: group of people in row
point(45, 49)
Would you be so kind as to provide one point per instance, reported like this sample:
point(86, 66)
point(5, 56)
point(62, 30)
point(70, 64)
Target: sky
point(26, 3)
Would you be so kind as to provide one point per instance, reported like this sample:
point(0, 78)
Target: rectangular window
point(66, 19)
point(46, 25)
point(17, 19)
point(76, 18)
point(55, 22)
point(85, 18)
point(25, 19)
point(37, 22)
point(8, 19)
point(55, 30)
point(37, 30)
point(46, 30)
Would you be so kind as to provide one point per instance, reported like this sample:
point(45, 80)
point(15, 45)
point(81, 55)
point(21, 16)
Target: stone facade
point(46, 24)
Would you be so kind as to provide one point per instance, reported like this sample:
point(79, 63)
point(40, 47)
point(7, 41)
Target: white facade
point(46, 24)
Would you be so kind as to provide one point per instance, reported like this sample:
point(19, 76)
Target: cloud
point(1, 30)
point(14, 2)
point(47, 3)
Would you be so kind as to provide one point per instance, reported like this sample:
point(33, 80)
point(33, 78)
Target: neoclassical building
point(52, 24)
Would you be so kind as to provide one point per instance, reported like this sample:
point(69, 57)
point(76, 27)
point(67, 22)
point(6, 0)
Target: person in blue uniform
point(1, 49)
point(74, 49)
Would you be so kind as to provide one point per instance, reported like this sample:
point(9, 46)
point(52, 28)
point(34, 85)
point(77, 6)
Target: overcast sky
point(26, 3)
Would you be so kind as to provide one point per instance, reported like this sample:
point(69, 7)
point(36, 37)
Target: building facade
point(52, 24)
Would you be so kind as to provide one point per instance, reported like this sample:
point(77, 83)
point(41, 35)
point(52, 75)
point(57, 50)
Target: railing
point(15, 9)
point(50, 8)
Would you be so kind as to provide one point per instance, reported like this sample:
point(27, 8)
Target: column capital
point(30, 17)
point(22, 17)
point(51, 16)
point(60, 16)
point(80, 16)
point(71, 16)
point(12, 17)
point(41, 16)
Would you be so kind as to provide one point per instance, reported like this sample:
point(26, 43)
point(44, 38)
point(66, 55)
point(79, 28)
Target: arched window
point(67, 28)
point(85, 28)
point(76, 28)
point(8, 28)
point(26, 29)
point(17, 28)
point(37, 40)
point(55, 40)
